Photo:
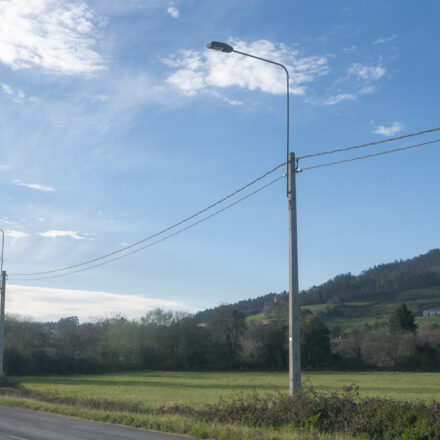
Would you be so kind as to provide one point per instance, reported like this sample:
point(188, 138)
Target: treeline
point(418, 272)
point(175, 341)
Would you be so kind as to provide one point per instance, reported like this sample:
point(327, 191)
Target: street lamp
point(294, 337)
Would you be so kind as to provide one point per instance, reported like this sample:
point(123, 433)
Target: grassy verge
point(171, 423)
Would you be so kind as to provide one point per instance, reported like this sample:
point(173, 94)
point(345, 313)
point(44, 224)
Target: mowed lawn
point(196, 389)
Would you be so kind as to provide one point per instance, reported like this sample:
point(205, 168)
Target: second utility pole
point(2, 321)
point(294, 337)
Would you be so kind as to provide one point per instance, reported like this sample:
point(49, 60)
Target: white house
point(431, 312)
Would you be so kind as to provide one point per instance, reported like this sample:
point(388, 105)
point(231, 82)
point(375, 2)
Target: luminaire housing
point(220, 47)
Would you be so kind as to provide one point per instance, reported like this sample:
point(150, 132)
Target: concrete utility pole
point(2, 321)
point(294, 337)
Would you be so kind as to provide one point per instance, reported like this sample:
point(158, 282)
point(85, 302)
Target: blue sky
point(116, 122)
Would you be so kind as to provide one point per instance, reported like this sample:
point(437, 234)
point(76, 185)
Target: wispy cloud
point(7, 90)
point(367, 90)
point(371, 73)
point(173, 11)
point(6, 221)
point(360, 80)
point(57, 35)
point(391, 130)
point(57, 233)
point(226, 99)
point(332, 100)
point(15, 234)
point(121, 97)
point(45, 303)
point(17, 95)
point(195, 71)
point(33, 185)
point(350, 49)
point(383, 40)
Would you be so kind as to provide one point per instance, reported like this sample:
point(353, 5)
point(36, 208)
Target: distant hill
point(348, 300)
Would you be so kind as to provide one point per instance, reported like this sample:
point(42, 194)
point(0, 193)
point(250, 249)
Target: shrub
point(346, 412)
point(9, 382)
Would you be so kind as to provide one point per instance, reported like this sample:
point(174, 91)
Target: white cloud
point(56, 233)
point(15, 234)
point(362, 79)
point(226, 99)
point(56, 35)
point(340, 97)
point(383, 40)
point(196, 71)
point(350, 49)
point(366, 72)
point(6, 221)
point(33, 186)
point(17, 95)
point(232, 101)
point(45, 303)
point(393, 129)
point(7, 89)
point(367, 90)
point(174, 12)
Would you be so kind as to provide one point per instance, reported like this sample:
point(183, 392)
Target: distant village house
point(431, 312)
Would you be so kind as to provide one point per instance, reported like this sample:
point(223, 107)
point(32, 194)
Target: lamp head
point(221, 47)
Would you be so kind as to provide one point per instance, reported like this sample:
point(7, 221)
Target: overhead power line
point(338, 150)
point(110, 254)
point(163, 238)
point(367, 156)
point(163, 231)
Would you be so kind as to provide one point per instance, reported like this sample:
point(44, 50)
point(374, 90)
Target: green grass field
point(154, 389)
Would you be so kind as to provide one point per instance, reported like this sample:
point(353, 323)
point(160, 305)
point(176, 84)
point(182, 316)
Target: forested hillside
point(382, 281)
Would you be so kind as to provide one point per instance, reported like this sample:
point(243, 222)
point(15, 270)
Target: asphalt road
point(22, 424)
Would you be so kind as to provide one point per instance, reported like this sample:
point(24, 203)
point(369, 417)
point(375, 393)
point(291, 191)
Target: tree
point(70, 321)
point(315, 342)
point(403, 319)
point(350, 347)
point(228, 326)
point(194, 343)
point(266, 345)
